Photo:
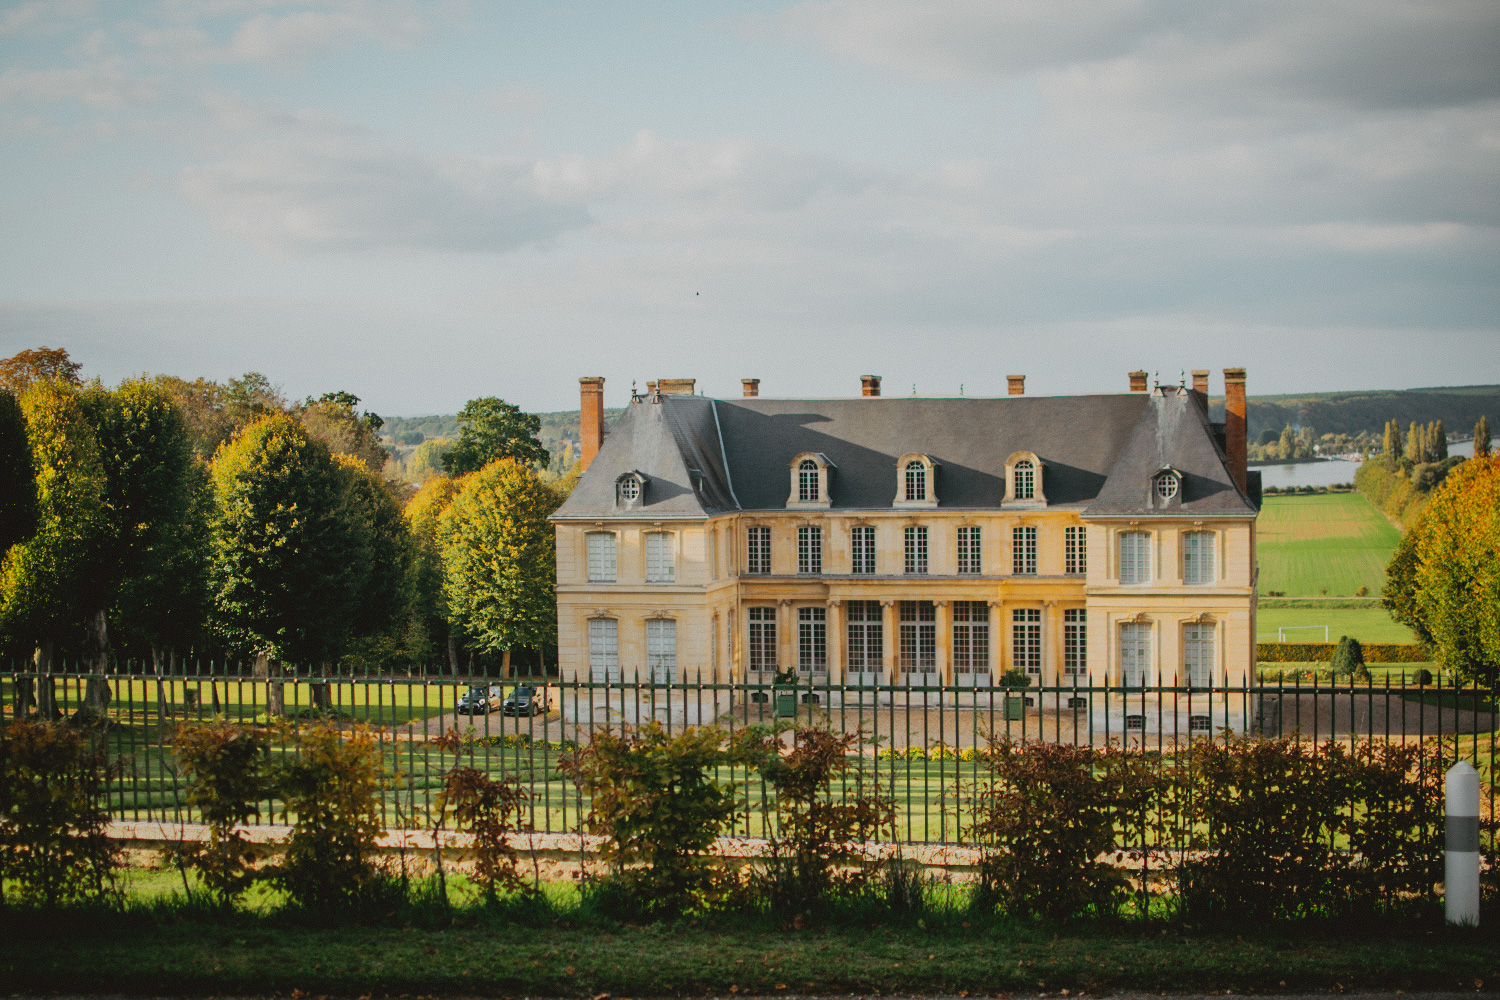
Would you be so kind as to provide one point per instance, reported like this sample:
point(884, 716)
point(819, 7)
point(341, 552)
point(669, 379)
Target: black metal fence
point(923, 743)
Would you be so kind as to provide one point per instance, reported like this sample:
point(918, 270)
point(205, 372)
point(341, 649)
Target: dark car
point(527, 700)
point(481, 700)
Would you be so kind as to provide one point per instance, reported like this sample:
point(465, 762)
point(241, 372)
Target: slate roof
point(1099, 452)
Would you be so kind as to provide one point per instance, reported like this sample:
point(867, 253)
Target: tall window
point(604, 650)
point(603, 564)
point(661, 557)
point(1135, 557)
point(1198, 557)
point(1023, 550)
point(1198, 654)
point(1075, 550)
point(1026, 640)
point(916, 481)
point(1135, 653)
point(810, 550)
point(807, 481)
point(812, 641)
point(758, 550)
point(1075, 644)
point(971, 637)
point(661, 649)
point(1025, 480)
point(763, 640)
point(862, 549)
point(918, 637)
point(864, 649)
point(969, 560)
point(916, 550)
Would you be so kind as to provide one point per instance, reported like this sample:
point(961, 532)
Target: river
point(1329, 472)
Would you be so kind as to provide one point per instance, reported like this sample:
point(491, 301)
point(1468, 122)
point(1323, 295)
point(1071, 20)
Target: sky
point(422, 203)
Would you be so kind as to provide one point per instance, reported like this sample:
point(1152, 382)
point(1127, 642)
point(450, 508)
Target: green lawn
point(1333, 541)
point(1364, 624)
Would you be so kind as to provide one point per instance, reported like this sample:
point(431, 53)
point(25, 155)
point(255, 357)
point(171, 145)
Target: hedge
point(1322, 652)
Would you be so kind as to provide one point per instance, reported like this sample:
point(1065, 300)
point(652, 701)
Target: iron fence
point(923, 742)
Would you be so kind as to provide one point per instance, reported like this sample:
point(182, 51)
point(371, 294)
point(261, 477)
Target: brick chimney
point(676, 386)
point(651, 388)
point(1017, 384)
point(752, 386)
point(1200, 382)
point(869, 385)
point(1234, 424)
point(590, 417)
point(1138, 381)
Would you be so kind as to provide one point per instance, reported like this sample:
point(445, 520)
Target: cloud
point(100, 86)
point(335, 192)
point(44, 16)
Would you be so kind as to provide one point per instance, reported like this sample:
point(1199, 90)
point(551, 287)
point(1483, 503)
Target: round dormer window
point(630, 490)
point(1166, 486)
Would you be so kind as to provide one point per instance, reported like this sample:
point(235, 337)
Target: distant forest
point(1351, 413)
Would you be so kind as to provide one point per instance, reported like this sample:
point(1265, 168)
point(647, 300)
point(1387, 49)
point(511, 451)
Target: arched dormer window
point(630, 490)
point(810, 472)
point(916, 481)
point(1024, 486)
point(1166, 488)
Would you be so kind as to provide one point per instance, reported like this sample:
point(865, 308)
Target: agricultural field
point(1303, 624)
point(1327, 544)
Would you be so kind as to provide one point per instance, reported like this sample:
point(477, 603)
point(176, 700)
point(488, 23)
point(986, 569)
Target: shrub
point(1042, 821)
point(1362, 591)
point(53, 842)
point(1396, 832)
point(814, 853)
point(228, 778)
point(1348, 658)
point(1015, 678)
point(488, 810)
point(660, 805)
point(331, 790)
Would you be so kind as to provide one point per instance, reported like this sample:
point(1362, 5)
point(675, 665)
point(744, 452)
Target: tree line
point(167, 518)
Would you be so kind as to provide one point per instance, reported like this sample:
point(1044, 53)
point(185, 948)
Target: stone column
point(786, 635)
point(944, 642)
point(999, 640)
point(835, 642)
point(891, 627)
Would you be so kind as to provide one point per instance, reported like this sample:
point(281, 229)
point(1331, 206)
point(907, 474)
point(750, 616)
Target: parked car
point(481, 700)
point(527, 699)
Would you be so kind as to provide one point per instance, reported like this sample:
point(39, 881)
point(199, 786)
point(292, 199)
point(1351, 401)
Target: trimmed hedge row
point(1322, 652)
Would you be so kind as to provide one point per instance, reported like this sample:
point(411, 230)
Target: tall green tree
point(215, 413)
point(1482, 437)
point(1394, 445)
point(385, 599)
point(1444, 578)
point(335, 419)
point(291, 556)
point(1439, 442)
point(1415, 446)
point(18, 509)
point(499, 556)
point(424, 513)
point(492, 429)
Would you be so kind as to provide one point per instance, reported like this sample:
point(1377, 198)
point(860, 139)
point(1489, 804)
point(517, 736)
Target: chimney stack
point(651, 388)
point(590, 417)
point(1138, 381)
point(752, 386)
point(869, 385)
point(1017, 384)
point(676, 386)
point(1200, 382)
point(1234, 424)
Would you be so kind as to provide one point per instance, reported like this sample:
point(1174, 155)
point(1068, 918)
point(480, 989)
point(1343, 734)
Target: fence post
point(1461, 868)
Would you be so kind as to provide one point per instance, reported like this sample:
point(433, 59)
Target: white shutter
point(604, 650)
point(661, 649)
point(602, 557)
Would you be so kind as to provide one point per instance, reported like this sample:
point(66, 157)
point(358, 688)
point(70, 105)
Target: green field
point(1336, 542)
point(1364, 624)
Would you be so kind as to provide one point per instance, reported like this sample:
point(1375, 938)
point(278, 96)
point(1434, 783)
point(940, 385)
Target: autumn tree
point(1444, 578)
point(335, 419)
point(1415, 445)
point(215, 413)
point(498, 559)
point(1394, 445)
point(424, 513)
point(1439, 441)
point(43, 364)
point(18, 509)
point(380, 624)
point(1482, 437)
point(492, 429)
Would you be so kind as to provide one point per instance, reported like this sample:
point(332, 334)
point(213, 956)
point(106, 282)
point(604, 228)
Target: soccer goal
point(1281, 632)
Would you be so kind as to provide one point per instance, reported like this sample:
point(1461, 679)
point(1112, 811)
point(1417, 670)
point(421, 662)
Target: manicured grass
point(1337, 541)
point(1364, 624)
point(485, 957)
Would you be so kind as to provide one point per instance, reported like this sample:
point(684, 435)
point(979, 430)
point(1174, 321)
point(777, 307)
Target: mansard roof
point(1099, 452)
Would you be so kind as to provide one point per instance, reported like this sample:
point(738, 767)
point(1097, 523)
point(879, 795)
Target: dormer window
point(810, 472)
point(630, 491)
point(1167, 485)
point(916, 481)
point(1166, 488)
point(1024, 485)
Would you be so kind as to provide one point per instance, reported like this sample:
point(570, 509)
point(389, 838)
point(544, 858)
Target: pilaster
point(891, 626)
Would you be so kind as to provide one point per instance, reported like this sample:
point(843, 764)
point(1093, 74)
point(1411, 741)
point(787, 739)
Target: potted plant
point(1015, 704)
point(785, 687)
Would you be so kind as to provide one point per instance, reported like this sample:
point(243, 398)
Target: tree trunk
point(452, 655)
point(96, 692)
point(26, 688)
point(46, 702)
point(161, 688)
point(321, 699)
point(505, 664)
point(267, 668)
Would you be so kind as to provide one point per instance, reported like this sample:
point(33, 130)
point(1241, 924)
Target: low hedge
point(1322, 652)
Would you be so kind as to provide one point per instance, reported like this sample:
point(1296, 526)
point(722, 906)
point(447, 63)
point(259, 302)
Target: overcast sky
point(425, 202)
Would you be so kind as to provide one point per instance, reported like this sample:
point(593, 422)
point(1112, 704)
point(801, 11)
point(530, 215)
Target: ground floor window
point(604, 650)
point(918, 637)
point(1198, 654)
point(1075, 644)
point(763, 640)
point(661, 649)
point(1026, 641)
point(971, 637)
point(812, 641)
point(864, 646)
point(1135, 654)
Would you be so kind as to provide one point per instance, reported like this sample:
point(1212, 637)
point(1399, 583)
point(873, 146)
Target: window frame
point(1076, 644)
point(970, 550)
point(862, 550)
point(1135, 644)
point(1204, 564)
point(911, 468)
point(1025, 473)
point(821, 469)
point(665, 557)
point(809, 550)
point(1023, 561)
point(1144, 541)
point(614, 556)
point(915, 550)
point(661, 662)
point(600, 658)
point(1200, 653)
point(1026, 652)
point(1036, 495)
point(917, 629)
point(761, 639)
point(757, 550)
point(1075, 549)
point(866, 621)
point(812, 641)
point(971, 639)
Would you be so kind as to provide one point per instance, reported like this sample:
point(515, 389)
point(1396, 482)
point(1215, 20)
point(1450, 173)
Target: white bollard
point(1461, 870)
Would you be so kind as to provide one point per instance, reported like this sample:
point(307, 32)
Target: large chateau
point(912, 540)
